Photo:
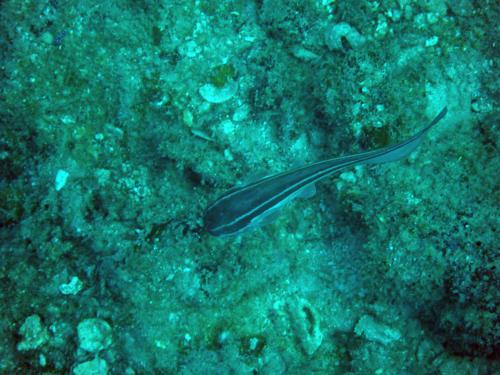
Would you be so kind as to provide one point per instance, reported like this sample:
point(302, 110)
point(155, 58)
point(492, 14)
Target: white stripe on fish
point(246, 207)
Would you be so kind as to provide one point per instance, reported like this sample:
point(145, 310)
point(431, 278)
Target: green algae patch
point(222, 75)
point(11, 205)
point(376, 137)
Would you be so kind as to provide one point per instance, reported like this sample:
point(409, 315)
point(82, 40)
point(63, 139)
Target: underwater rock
point(241, 113)
point(73, 287)
point(462, 8)
point(94, 335)
point(61, 179)
point(302, 53)
point(334, 36)
point(374, 331)
point(33, 332)
point(481, 105)
point(216, 95)
point(97, 366)
point(306, 324)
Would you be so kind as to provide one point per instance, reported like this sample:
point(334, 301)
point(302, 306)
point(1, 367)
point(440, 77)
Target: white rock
point(97, 366)
point(375, 331)
point(61, 179)
point(432, 41)
point(94, 335)
point(302, 53)
point(305, 321)
point(227, 127)
point(241, 113)
point(33, 332)
point(382, 26)
point(348, 176)
point(481, 105)
point(214, 94)
point(73, 287)
point(228, 155)
point(334, 35)
point(189, 49)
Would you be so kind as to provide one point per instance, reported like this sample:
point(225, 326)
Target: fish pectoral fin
point(266, 218)
point(307, 192)
point(269, 218)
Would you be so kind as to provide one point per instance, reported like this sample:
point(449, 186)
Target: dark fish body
point(246, 207)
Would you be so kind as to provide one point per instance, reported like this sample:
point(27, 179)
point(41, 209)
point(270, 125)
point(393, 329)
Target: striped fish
point(246, 207)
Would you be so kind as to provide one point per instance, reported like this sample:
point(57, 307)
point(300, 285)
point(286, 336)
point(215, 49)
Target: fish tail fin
point(403, 149)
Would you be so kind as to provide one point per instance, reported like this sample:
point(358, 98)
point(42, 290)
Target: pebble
point(306, 325)
point(97, 366)
point(216, 95)
point(241, 113)
point(375, 331)
point(47, 38)
point(481, 105)
point(61, 179)
point(73, 287)
point(432, 41)
point(303, 53)
point(334, 35)
point(94, 335)
point(33, 332)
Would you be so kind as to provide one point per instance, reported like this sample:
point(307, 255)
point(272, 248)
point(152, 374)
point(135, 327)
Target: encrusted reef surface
point(122, 120)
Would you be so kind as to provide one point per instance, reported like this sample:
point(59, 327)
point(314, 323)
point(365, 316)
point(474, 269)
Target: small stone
point(227, 127)
point(47, 38)
point(61, 179)
point(306, 325)
point(228, 155)
point(102, 176)
point(335, 34)
point(303, 54)
point(241, 113)
point(97, 366)
point(394, 14)
point(187, 117)
point(94, 335)
point(253, 342)
point(375, 331)
point(481, 105)
point(216, 95)
point(432, 41)
point(189, 49)
point(68, 119)
point(201, 134)
point(420, 21)
point(432, 18)
point(33, 332)
point(382, 26)
point(348, 176)
point(73, 287)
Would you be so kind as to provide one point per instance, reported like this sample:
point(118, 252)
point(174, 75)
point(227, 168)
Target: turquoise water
point(122, 121)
